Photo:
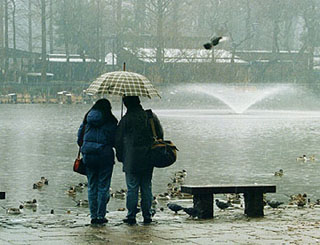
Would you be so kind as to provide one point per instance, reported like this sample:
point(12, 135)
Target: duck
point(71, 191)
point(299, 199)
point(119, 194)
point(38, 185)
point(44, 180)
point(83, 203)
point(79, 187)
point(279, 173)
point(178, 180)
point(302, 158)
point(30, 204)
point(15, 210)
point(312, 158)
point(154, 202)
point(164, 196)
point(234, 198)
point(185, 196)
point(182, 173)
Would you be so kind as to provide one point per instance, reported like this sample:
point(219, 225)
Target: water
point(217, 146)
point(239, 98)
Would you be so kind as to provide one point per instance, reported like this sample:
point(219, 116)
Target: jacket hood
point(95, 118)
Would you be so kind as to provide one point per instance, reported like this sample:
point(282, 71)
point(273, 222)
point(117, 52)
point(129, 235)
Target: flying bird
point(223, 205)
point(213, 42)
point(174, 207)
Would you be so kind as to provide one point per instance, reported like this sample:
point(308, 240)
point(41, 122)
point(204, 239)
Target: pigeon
point(223, 205)
point(213, 42)
point(191, 211)
point(274, 204)
point(174, 207)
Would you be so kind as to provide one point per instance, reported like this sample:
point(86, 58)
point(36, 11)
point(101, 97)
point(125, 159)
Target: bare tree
point(43, 41)
point(51, 26)
point(30, 32)
point(159, 10)
point(1, 40)
point(6, 39)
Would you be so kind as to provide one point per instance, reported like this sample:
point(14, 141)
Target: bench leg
point(2, 195)
point(253, 201)
point(204, 205)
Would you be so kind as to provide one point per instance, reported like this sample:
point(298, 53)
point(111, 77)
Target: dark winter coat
point(98, 140)
point(134, 139)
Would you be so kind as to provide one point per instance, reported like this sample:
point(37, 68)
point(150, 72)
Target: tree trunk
point(1, 40)
point(43, 42)
point(30, 33)
point(276, 31)
point(248, 23)
point(98, 30)
point(119, 30)
point(1, 24)
point(66, 40)
point(15, 69)
point(51, 27)
point(140, 15)
point(6, 40)
point(159, 52)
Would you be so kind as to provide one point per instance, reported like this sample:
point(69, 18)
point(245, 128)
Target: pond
point(216, 146)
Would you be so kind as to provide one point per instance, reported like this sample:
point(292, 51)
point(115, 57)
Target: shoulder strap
point(150, 118)
point(82, 135)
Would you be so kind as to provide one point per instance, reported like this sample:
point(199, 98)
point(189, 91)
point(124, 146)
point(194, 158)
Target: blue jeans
point(98, 190)
point(134, 182)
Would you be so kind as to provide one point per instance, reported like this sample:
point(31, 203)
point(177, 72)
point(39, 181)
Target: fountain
point(239, 98)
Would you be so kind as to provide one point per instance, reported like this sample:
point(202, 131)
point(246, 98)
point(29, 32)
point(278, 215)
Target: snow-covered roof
point(185, 55)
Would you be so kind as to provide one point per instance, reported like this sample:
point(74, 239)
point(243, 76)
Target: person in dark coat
point(133, 141)
point(98, 156)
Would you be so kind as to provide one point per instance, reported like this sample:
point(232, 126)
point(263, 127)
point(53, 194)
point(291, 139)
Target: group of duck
point(299, 200)
point(303, 158)
point(174, 187)
point(31, 204)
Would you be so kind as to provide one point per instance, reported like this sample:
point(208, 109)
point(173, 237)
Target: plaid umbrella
point(123, 83)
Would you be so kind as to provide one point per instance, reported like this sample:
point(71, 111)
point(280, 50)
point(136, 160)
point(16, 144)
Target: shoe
point(130, 221)
point(147, 220)
point(102, 221)
point(94, 221)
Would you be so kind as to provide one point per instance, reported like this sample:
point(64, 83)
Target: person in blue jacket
point(98, 156)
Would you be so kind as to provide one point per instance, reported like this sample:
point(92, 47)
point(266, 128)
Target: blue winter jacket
point(98, 140)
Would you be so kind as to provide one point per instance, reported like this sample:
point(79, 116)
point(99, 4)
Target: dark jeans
point(134, 182)
point(98, 190)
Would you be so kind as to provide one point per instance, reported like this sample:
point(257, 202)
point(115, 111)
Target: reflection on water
point(215, 146)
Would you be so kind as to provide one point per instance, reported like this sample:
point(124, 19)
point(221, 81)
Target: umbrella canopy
point(123, 83)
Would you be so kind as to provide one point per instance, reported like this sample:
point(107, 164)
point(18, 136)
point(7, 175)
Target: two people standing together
point(132, 138)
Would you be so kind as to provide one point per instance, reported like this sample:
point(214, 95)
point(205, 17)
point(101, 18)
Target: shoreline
point(287, 225)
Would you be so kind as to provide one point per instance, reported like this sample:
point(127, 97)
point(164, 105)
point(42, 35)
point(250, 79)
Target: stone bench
point(253, 197)
point(2, 195)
